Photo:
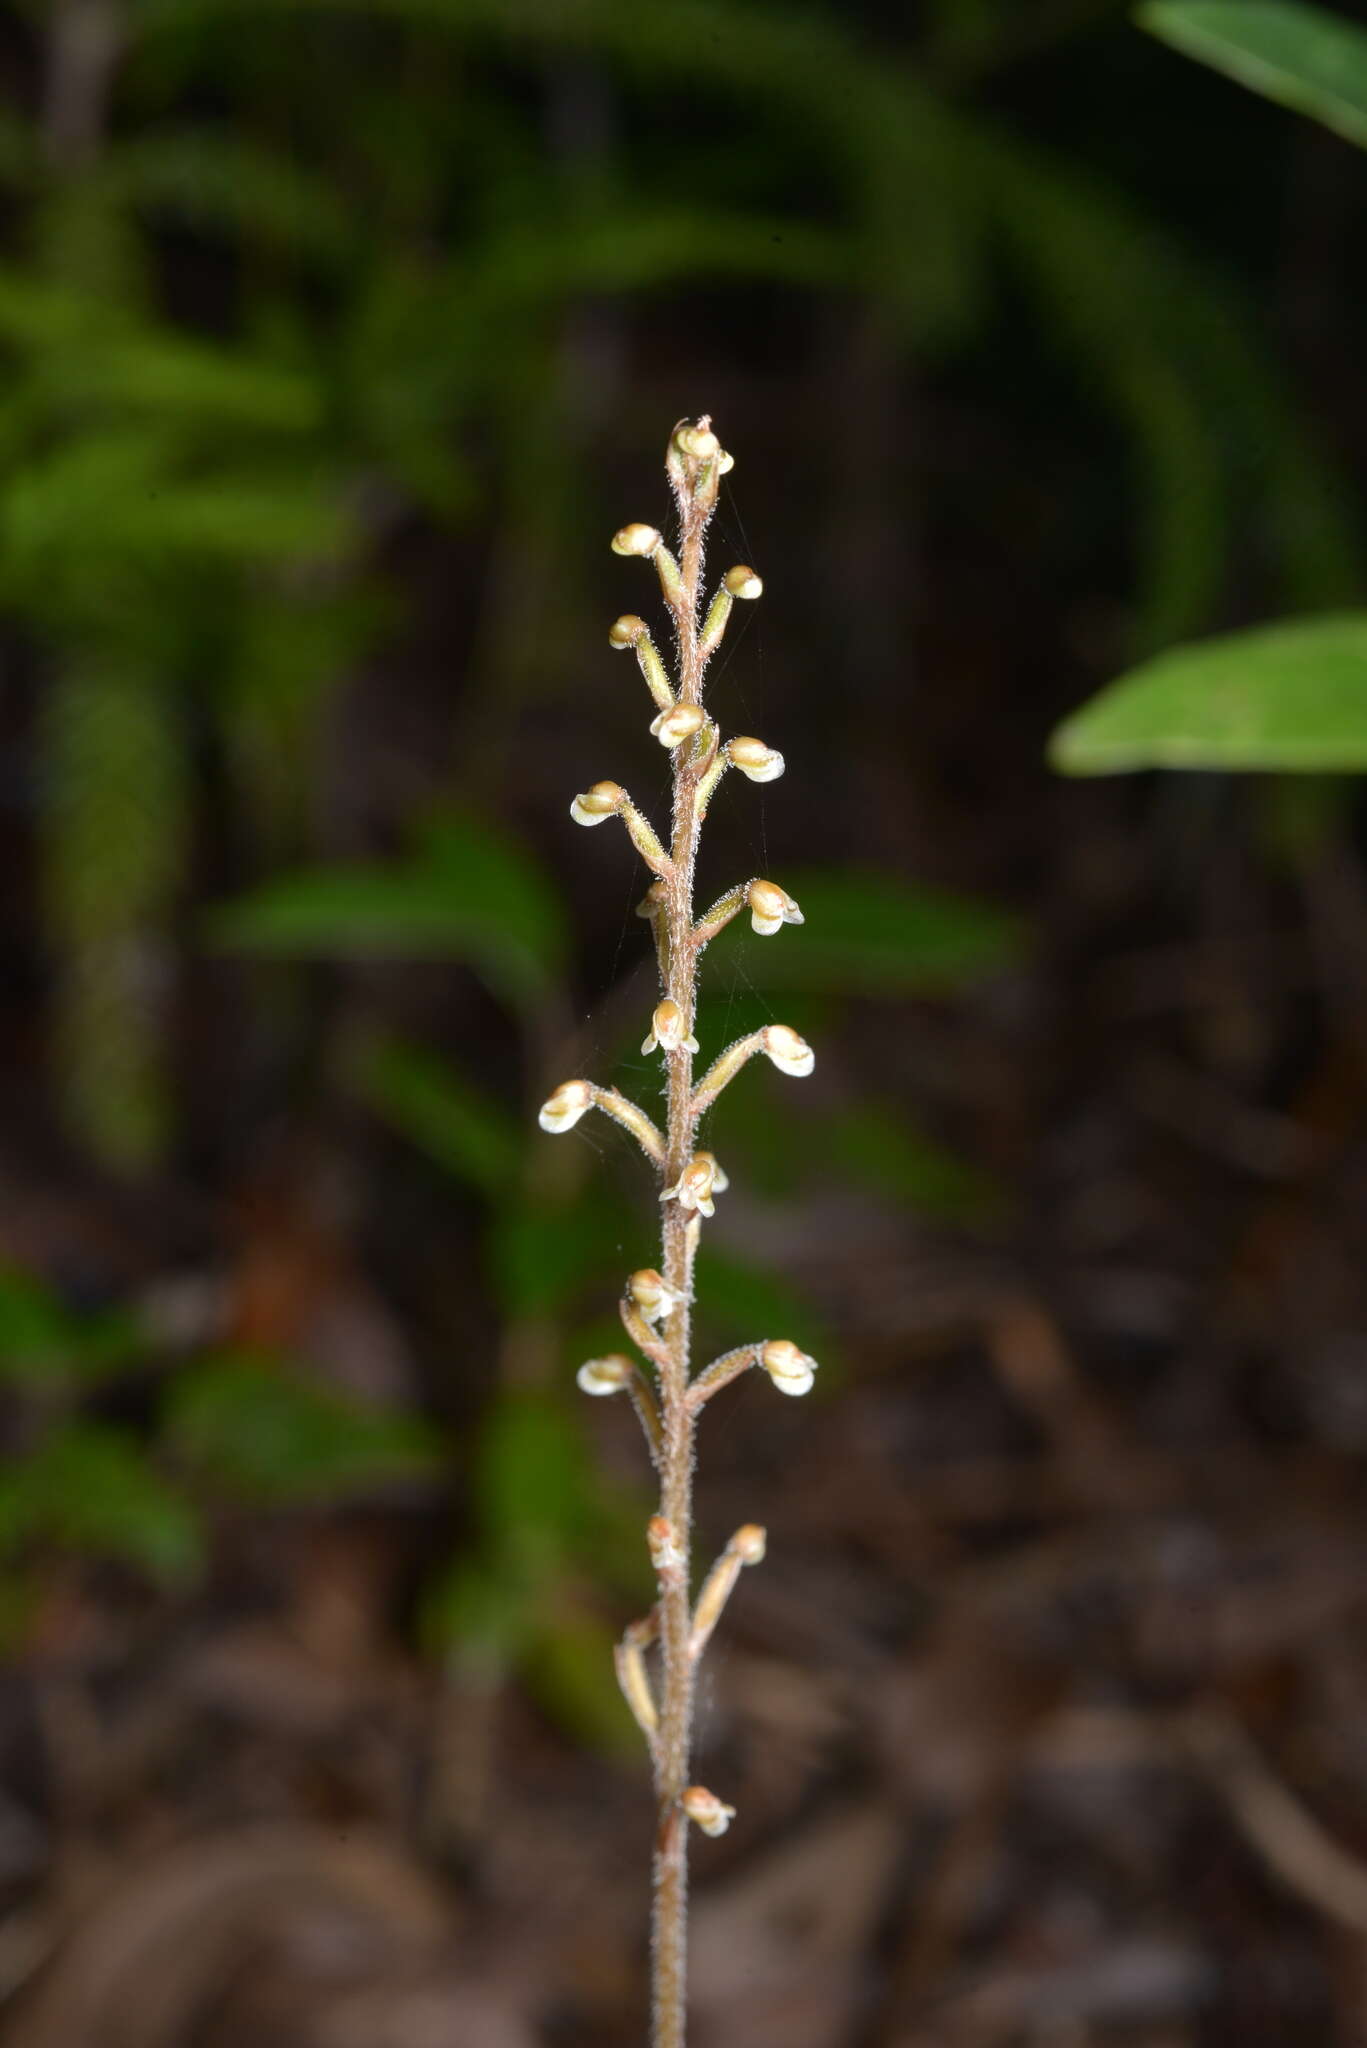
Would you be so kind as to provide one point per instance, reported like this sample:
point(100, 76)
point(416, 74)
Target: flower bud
point(706, 1811)
point(652, 1296)
point(604, 1375)
point(626, 631)
point(725, 463)
point(770, 908)
point(696, 1185)
point(604, 800)
point(748, 1543)
point(562, 1111)
point(662, 1544)
point(668, 1029)
point(753, 758)
point(789, 1052)
point(653, 902)
point(742, 582)
point(791, 1370)
point(677, 724)
point(635, 539)
point(699, 442)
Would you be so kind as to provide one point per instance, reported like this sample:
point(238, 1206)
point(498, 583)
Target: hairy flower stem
point(673, 1752)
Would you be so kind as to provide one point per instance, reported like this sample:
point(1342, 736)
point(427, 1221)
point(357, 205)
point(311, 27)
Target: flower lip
point(604, 1375)
point(668, 1029)
point(651, 1295)
point(792, 1371)
point(696, 1185)
point(771, 908)
point(592, 806)
point(789, 1051)
point(754, 759)
point(678, 724)
point(636, 539)
point(562, 1110)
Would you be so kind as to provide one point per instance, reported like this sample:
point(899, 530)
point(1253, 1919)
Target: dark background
point(335, 342)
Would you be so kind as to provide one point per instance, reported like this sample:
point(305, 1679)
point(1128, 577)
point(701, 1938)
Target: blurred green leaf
point(537, 1488)
point(92, 1489)
point(468, 893)
point(260, 1430)
point(1303, 57)
point(451, 1119)
point(569, 1669)
point(881, 1147)
point(42, 1344)
point(1289, 696)
point(545, 1254)
point(867, 933)
point(739, 1301)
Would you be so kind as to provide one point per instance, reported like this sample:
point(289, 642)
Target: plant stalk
point(673, 1752)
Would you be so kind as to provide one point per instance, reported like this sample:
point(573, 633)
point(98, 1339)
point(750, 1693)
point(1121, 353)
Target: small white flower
point(635, 539)
point(667, 1029)
point(678, 724)
point(696, 1185)
point(663, 1545)
point(742, 582)
point(770, 908)
point(706, 1811)
point(720, 1179)
point(562, 1111)
point(604, 800)
point(753, 758)
point(604, 1375)
point(748, 1543)
point(626, 631)
point(791, 1370)
point(652, 1296)
point(789, 1052)
point(725, 463)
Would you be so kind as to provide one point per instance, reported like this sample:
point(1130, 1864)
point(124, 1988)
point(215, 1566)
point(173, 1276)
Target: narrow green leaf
point(1289, 696)
point(868, 933)
point(446, 1116)
point(261, 1431)
point(1302, 57)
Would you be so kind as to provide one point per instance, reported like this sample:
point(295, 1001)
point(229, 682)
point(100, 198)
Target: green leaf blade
point(1291, 696)
point(1302, 57)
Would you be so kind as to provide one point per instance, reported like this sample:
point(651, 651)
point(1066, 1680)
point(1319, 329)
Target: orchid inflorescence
point(655, 1305)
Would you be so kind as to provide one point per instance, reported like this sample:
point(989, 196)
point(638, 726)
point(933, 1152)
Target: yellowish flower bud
point(789, 1052)
point(753, 758)
point(725, 463)
point(696, 1185)
point(706, 1811)
point(770, 908)
point(742, 582)
point(604, 800)
point(791, 1370)
point(604, 1375)
point(699, 442)
point(749, 1542)
point(626, 631)
point(562, 1111)
point(679, 723)
point(652, 1297)
point(668, 1028)
point(635, 539)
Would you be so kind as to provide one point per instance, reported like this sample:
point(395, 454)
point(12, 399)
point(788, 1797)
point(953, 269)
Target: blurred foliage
point(1291, 696)
point(198, 488)
point(223, 1431)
